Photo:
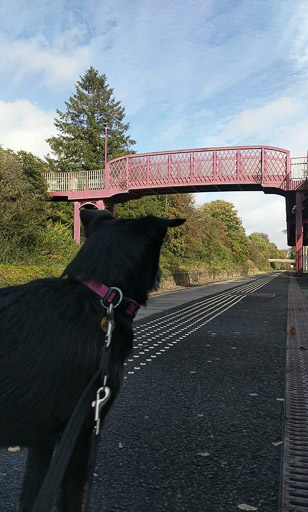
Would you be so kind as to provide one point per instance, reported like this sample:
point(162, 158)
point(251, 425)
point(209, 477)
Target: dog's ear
point(165, 223)
point(156, 225)
point(91, 218)
point(172, 223)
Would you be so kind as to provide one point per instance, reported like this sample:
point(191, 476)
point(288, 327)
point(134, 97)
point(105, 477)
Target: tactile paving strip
point(294, 484)
point(154, 338)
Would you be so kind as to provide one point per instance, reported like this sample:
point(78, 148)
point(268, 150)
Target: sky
point(190, 74)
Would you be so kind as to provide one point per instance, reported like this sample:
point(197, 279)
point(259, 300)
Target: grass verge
point(22, 273)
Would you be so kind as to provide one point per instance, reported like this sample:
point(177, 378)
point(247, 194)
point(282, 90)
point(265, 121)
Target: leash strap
point(64, 451)
point(59, 463)
point(90, 471)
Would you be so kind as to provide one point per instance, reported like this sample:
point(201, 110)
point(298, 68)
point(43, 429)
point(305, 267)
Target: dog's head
point(121, 252)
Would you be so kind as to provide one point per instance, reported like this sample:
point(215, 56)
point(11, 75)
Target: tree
point(33, 168)
point(213, 242)
point(261, 249)
point(226, 213)
point(80, 144)
point(179, 243)
point(236, 240)
point(23, 197)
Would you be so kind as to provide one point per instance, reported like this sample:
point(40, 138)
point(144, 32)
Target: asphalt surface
point(163, 301)
point(198, 427)
point(196, 430)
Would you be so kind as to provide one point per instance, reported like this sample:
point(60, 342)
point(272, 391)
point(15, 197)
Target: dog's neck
point(112, 295)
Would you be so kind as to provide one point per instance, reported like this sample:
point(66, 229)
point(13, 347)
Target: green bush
point(57, 243)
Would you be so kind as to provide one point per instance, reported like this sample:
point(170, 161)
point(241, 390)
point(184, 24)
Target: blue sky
point(189, 74)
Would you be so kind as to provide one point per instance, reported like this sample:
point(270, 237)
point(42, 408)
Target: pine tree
point(80, 144)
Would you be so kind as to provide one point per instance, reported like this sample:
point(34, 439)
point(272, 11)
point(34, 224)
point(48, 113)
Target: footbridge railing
point(262, 166)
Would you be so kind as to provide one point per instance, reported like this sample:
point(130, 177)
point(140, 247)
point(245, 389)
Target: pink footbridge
point(246, 168)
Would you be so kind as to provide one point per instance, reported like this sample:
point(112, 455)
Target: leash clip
point(102, 396)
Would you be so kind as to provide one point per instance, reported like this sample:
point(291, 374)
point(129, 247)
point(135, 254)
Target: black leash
point(90, 471)
point(51, 484)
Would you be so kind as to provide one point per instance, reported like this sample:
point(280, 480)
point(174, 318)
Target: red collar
point(113, 295)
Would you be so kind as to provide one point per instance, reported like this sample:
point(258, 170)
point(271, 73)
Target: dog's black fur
point(50, 341)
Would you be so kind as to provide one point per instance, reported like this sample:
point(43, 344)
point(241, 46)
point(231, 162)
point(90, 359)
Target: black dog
point(51, 338)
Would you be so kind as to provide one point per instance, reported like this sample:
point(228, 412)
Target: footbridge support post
point(99, 204)
point(77, 205)
point(299, 234)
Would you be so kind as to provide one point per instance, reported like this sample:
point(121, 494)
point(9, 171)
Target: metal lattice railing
point(261, 165)
point(200, 166)
point(75, 181)
point(57, 181)
point(299, 168)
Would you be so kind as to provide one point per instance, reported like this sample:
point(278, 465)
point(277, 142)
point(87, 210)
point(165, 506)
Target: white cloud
point(25, 126)
point(262, 121)
point(21, 59)
point(279, 123)
point(151, 52)
point(298, 34)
